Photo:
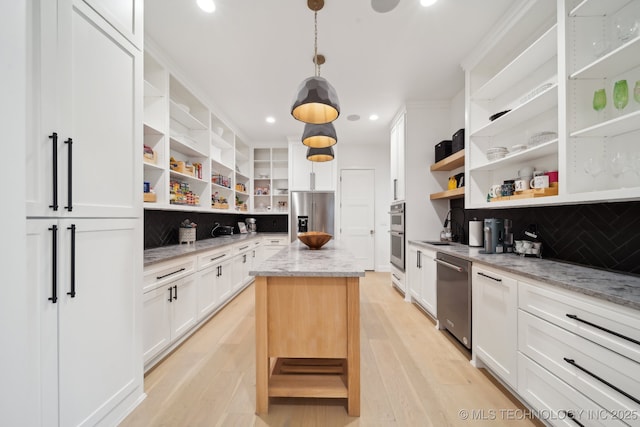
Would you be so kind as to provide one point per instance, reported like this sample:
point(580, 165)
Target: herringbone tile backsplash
point(601, 235)
point(161, 227)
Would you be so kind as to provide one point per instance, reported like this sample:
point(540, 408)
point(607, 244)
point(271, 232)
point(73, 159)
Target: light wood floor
point(412, 375)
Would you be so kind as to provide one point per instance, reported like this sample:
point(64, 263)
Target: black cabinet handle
point(54, 264)
point(218, 271)
point(617, 334)
point(69, 206)
point(175, 291)
point(169, 274)
point(418, 263)
point(72, 292)
point(243, 248)
point(569, 414)
point(218, 257)
point(489, 277)
point(170, 294)
point(244, 258)
point(572, 362)
point(54, 137)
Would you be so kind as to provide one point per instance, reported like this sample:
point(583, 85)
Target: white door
point(357, 219)
point(99, 302)
point(156, 326)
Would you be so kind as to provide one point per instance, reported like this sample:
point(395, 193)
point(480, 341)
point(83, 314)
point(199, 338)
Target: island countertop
point(332, 260)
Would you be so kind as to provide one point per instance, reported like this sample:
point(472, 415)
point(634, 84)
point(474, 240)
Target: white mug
point(541, 181)
point(522, 184)
point(495, 191)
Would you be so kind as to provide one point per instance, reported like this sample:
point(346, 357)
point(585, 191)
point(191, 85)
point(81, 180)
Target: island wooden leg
point(353, 346)
point(262, 358)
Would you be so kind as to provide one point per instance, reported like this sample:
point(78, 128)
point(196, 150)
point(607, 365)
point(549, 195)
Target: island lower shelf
point(307, 339)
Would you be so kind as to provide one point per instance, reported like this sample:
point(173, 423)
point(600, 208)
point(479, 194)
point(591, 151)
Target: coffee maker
point(493, 236)
point(508, 236)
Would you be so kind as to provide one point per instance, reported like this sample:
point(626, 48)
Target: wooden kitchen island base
point(307, 339)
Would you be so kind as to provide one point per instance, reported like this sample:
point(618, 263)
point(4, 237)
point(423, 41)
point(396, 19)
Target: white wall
point(457, 111)
point(17, 389)
point(372, 156)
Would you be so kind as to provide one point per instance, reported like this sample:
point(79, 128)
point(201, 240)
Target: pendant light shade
point(320, 154)
point(316, 102)
point(319, 136)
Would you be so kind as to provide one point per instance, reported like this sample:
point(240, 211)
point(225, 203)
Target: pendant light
point(319, 136)
point(320, 154)
point(316, 101)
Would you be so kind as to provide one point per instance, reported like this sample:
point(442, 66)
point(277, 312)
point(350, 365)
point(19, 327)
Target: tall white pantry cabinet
point(84, 206)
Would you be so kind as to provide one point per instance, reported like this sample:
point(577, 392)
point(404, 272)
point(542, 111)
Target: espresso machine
point(507, 239)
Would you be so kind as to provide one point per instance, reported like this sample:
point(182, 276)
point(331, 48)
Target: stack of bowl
point(496, 153)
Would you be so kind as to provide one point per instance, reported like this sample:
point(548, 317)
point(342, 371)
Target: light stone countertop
point(332, 260)
point(164, 253)
point(618, 288)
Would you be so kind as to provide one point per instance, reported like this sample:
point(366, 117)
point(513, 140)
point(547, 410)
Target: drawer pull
point(574, 317)
point(275, 241)
point(243, 248)
point(572, 362)
point(570, 415)
point(218, 257)
point(489, 277)
point(170, 274)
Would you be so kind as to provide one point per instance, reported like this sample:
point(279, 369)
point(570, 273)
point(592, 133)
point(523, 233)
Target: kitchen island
point(308, 325)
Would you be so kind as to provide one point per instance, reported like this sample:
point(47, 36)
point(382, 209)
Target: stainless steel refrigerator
point(312, 211)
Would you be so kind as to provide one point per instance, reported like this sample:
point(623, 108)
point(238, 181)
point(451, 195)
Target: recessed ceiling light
point(353, 117)
point(427, 3)
point(207, 5)
point(373, 117)
point(270, 119)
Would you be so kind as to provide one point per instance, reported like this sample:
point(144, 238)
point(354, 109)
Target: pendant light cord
point(315, 43)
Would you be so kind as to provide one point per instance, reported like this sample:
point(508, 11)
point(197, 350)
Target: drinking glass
point(620, 95)
point(636, 92)
point(594, 166)
point(599, 102)
point(618, 166)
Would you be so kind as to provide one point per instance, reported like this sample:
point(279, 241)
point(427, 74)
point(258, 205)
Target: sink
point(435, 242)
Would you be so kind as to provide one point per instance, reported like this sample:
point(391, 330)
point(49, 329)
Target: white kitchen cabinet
point(494, 321)
point(169, 312)
point(85, 316)
point(305, 175)
point(271, 179)
point(241, 265)
point(209, 283)
point(397, 153)
point(421, 277)
point(84, 151)
point(273, 245)
point(586, 345)
point(518, 74)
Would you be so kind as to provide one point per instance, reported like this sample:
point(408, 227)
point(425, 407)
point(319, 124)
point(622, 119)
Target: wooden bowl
point(314, 239)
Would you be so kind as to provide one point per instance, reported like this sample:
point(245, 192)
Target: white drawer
point(275, 241)
point(555, 402)
point(578, 362)
point(610, 325)
point(168, 271)
point(214, 257)
point(243, 247)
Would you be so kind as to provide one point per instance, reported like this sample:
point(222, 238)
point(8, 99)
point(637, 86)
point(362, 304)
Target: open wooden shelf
point(450, 163)
point(457, 193)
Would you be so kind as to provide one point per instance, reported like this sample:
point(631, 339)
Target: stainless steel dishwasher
point(454, 296)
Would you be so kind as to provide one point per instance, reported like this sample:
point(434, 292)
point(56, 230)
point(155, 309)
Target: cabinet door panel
point(100, 110)
point(156, 327)
point(224, 283)
point(97, 335)
point(300, 168)
point(121, 14)
point(43, 318)
point(428, 275)
point(207, 296)
point(184, 308)
point(495, 302)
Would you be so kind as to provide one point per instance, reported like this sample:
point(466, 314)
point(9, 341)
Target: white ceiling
point(250, 56)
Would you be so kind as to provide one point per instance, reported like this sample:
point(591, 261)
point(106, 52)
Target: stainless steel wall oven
point(397, 235)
